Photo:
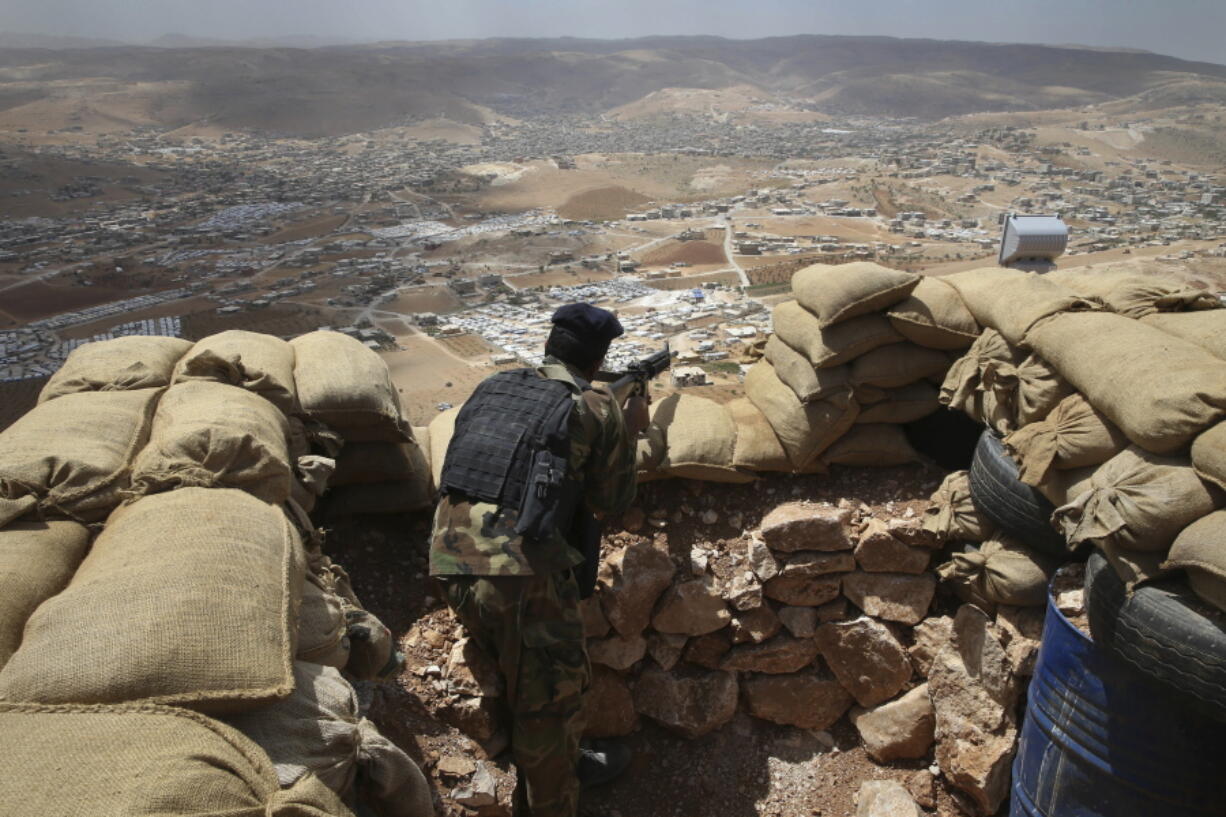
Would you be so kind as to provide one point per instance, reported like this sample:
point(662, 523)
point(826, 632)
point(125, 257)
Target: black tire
point(1164, 633)
point(1017, 509)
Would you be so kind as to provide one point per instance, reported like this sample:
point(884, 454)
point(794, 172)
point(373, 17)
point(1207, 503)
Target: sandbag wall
point(149, 537)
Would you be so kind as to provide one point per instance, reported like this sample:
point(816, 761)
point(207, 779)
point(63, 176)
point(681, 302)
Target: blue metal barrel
point(1099, 741)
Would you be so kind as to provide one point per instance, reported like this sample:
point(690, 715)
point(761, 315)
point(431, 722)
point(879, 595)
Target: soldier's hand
point(637, 416)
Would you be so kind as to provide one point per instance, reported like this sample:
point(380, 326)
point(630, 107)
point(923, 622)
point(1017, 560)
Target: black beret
point(588, 323)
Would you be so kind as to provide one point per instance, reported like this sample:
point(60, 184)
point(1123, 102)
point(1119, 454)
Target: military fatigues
point(519, 600)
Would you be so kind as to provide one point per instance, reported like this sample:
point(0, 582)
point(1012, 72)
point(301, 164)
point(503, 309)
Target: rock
point(755, 625)
point(595, 624)
point(803, 592)
point(923, 787)
point(481, 790)
point(901, 728)
point(471, 671)
point(799, 526)
point(799, 621)
point(884, 798)
point(832, 610)
point(808, 565)
point(762, 560)
point(666, 648)
point(911, 532)
point(699, 559)
point(891, 596)
point(692, 703)
point(619, 652)
point(745, 591)
point(879, 552)
point(707, 651)
point(974, 694)
point(691, 608)
point(479, 718)
point(608, 706)
point(808, 700)
point(633, 518)
point(782, 654)
point(866, 658)
point(454, 766)
point(631, 580)
point(708, 517)
point(1021, 631)
point(931, 636)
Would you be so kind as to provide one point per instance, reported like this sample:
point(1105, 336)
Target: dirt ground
point(557, 278)
point(423, 360)
point(438, 299)
point(693, 253)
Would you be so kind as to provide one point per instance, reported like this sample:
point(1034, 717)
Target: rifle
point(586, 529)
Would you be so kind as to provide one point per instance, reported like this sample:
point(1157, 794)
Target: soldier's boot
point(601, 761)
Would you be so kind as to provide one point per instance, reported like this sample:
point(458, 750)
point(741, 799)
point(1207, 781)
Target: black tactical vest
point(511, 447)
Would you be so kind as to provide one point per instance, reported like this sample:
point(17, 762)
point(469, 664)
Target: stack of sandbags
point(379, 477)
point(854, 358)
point(119, 364)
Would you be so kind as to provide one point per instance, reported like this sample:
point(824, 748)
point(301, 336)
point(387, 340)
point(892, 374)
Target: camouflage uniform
point(519, 601)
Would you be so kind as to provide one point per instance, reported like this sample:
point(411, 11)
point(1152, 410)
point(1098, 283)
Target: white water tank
point(1032, 238)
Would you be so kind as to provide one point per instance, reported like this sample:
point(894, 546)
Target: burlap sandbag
point(1159, 389)
point(1137, 500)
point(372, 649)
point(875, 445)
point(390, 784)
point(71, 456)
point(933, 315)
point(323, 632)
point(837, 292)
point(143, 761)
point(364, 463)
point(1206, 329)
point(806, 381)
point(441, 429)
point(902, 405)
point(1001, 571)
point(257, 362)
point(421, 436)
point(700, 439)
point(1209, 455)
point(963, 384)
point(899, 364)
point(1073, 435)
point(1130, 293)
point(1011, 301)
point(36, 561)
point(757, 447)
point(952, 515)
point(1200, 549)
point(347, 386)
point(404, 496)
point(212, 435)
point(804, 430)
point(1062, 487)
point(1015, 396)
point(188, 597)
point(650, 449)
point(799, 329)
point(118, 364)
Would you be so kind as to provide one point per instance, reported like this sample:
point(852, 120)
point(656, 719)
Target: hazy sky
point(1192, 29)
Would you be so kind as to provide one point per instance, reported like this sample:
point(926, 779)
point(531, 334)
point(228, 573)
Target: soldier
point(509, 490)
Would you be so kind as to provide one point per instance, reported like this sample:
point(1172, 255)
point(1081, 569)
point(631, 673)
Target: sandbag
point(347, 386)
point(143, 761)
point(899, 364)
point(71, 456)
point(1209, 455)
point(441, 429)
point(1207, 329)
point(827, 347)
point(372, 650)
point(212, 576)
point(1062, 487)
point(421, 436)
point(804, 430)
point(757, 447)
point(391, 784)
point(1159, 389)
point(1001, 571)
point(962, 387)
point(650, 449)
point(806, 381)
point(905, 404)
point(364, 463)
point(1015, 396)
point(838, 292)
point(1134, 295)
point(323, 632)
point(875, 445)
point(1073, 435)
point(36, 561)
point(700, 439)
point(1138, 501)
point(405, 496)
point(118, 364)
point(1200, 549)
point(934, 316)
point(212, 435)
point(952, 515)
point(259, 363)
point(1011, 301)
